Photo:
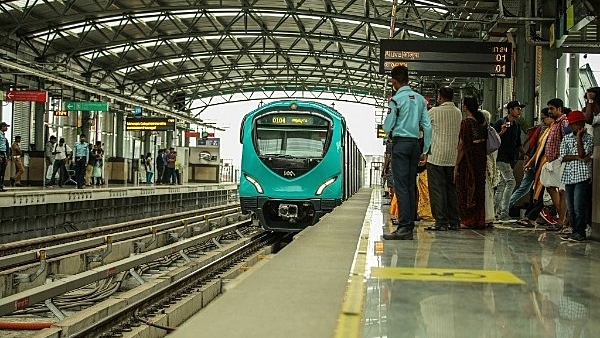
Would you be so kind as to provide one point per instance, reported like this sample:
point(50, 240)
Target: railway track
point(34, 250)
point(170, 273)
point(141, 312)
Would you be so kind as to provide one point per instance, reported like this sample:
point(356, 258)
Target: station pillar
point(525, 76)
point(561, 77)
point(170, 135)
point(490, 93)
point(40, 110)
point(119, 131)
point(573, 82)
point(548, 79)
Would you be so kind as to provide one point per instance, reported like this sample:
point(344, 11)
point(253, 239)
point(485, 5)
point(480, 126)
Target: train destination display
point(297, 120)
point(447, 58)
point(150, 123)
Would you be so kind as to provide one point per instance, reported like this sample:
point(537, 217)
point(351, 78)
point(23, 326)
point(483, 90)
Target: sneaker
point(548, 217)
point(588, 231)
point(566, 230)
point(576, 238)
point(506, 219)
point(565, 237)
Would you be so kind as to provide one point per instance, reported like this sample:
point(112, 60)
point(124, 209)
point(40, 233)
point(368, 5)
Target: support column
point(561, 77)
point(147, 148)
point(525, 73)
point(490, 93)
point(40, 110)
point(170, 134)
point(548, 81)
point(120, 131)
point(573, 82)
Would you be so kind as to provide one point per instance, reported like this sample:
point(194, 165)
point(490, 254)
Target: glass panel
point(291, 142)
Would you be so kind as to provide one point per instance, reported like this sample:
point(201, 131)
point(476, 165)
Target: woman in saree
point(470, 169)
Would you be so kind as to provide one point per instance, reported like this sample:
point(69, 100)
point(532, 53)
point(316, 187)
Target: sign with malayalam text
point(150, 123)
point(86, 106)
point(189, 134)
point(27, 95)
point(447, 58)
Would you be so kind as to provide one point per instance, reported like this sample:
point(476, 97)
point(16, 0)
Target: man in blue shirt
point(408, 114)
point(4, 153)
point(80, 154)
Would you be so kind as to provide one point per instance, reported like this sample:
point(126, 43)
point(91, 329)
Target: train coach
point(298, 162)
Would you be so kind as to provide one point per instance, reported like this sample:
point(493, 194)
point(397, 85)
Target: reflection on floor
point(559, 297)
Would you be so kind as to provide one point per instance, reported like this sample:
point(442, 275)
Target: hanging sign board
point(27, 95)
point(150, 123)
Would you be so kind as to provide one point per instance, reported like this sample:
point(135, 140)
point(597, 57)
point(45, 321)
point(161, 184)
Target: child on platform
point(575, 154)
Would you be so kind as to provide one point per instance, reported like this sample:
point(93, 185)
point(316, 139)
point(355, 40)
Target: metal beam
point(92, 90)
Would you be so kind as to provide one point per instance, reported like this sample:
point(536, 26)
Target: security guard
point(4, 153)
point(80, 154)
point(408, 111)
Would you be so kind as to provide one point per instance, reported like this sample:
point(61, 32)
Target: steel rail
point(23, 252)
point(41, 293)
point(182, 285)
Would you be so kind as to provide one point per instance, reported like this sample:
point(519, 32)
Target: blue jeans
point(149, 175)
point(405, 159)
point(576, 195)
point(523, 189)
point(505, 188)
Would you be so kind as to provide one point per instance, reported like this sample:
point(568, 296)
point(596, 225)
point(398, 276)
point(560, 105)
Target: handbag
point(493, 140)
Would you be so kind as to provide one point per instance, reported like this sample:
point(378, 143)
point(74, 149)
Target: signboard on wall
point(150, 123)
point(207, 152)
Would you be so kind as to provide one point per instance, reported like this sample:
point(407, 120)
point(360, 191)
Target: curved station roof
point(150, 50)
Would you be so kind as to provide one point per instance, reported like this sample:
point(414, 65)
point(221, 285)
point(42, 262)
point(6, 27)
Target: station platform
point(340, 279)
point(33, 212)
point(298, 293)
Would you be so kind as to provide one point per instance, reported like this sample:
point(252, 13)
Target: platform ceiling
point(155, 48)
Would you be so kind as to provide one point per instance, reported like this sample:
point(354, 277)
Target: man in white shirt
point(445, 122)
point(62, 154)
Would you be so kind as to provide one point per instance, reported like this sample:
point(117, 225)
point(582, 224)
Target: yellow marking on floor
point(447, 275)
point(378, 248)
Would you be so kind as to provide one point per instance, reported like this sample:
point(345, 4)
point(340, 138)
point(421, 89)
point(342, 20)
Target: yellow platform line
point(446, 275)
point(350, 319)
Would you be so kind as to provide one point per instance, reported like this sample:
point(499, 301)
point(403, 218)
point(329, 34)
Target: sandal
point(436, 228)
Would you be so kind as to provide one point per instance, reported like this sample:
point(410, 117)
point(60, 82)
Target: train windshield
point(273, 141)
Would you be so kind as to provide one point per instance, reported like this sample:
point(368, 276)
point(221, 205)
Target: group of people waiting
point(167, 165)
point(84, 159)
point(473, 186)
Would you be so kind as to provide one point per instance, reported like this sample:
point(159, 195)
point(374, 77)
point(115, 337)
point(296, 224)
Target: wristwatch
point(590, 101)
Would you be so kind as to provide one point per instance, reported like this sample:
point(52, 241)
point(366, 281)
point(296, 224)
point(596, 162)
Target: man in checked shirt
point(575, 151)
point(554, 166)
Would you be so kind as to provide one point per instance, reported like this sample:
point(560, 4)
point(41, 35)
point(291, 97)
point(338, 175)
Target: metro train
point(298, 163)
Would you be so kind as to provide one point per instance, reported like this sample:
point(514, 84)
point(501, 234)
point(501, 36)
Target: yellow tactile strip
point(349, 323)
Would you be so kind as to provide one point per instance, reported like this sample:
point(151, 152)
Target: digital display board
point(447, 58)
point(150, 123)
point(292, 120)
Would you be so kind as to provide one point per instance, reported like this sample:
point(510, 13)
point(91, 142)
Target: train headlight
point(255, 183)
point(325, 185)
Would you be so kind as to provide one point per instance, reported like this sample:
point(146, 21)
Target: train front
point(291, 164)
